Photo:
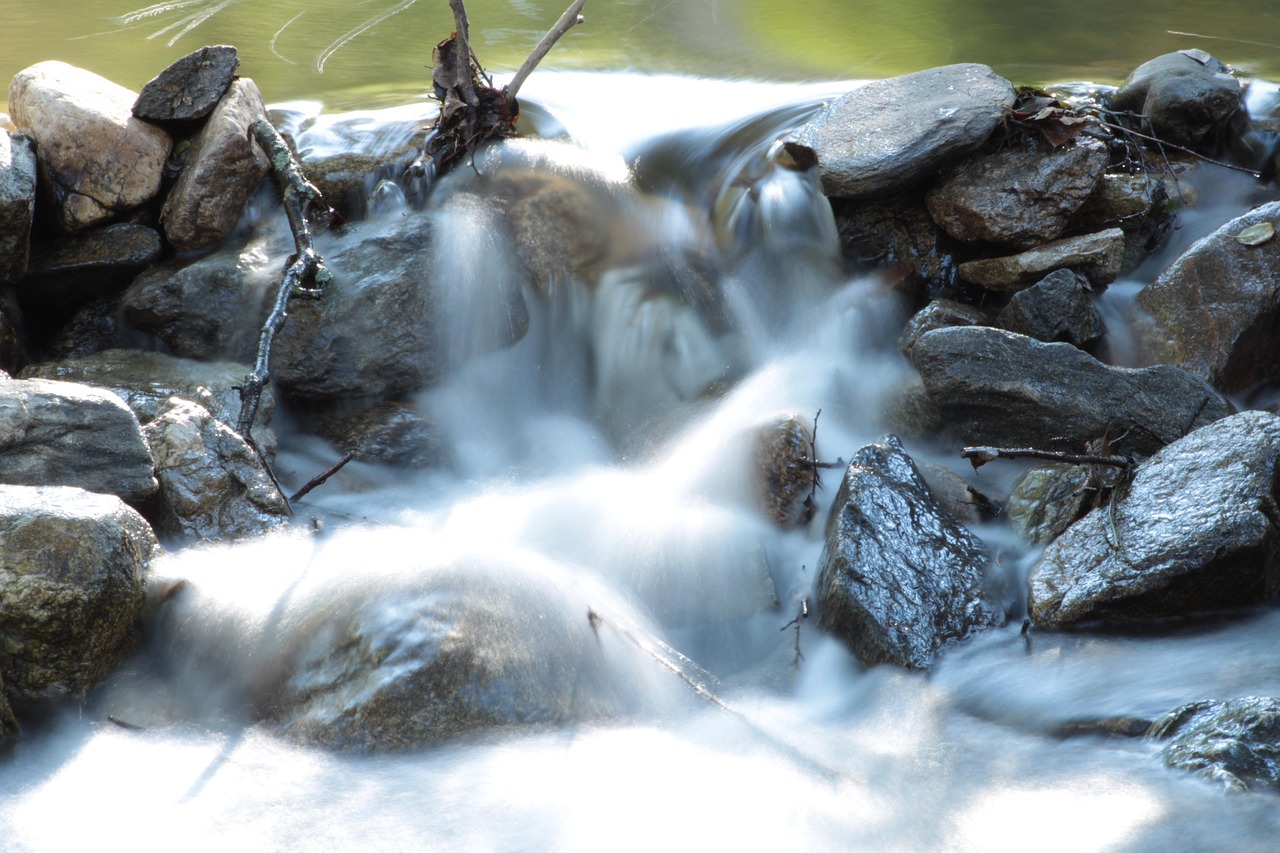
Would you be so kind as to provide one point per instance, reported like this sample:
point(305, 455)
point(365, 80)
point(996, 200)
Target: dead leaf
point(1256, 235)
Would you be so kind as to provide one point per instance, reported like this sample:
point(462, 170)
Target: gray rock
point(1059, 308)
point(784, 472)
point(212, 484)
point(1193, 532)
point(65, 434)
point(224, 165)
point(1214, 311)
point(1185, 97)
point(388, 433)
point(17, 204)
point(1047, 499)
point(96, 160)
point(1095, 256)
point(13, 350)
point(956, 497)
point(189, 88)
point(71, 567)
point(899, 579)
point(94, 327)
point(1125, 202)
point(994, 387)
point(1234, 742)
point(1023, 197)
point(889, 134)
point(67, 271)
point(897, 232)
point(940, 314)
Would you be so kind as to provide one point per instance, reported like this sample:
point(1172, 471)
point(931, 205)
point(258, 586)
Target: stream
point(592, 457)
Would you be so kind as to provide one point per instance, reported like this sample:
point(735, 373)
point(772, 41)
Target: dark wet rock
point(17, 204)
point(189, 88)
point(210, 309)
point(1047, 499)
point(94, 327)
point(954, 495)
point(1215, 312)
point(1105, 727)
point(784, 471)
point(71, 569)
point(223, 166)
point(1059, 308)
point(1234, 742)
point(212, 484)
point(940, 314)
point(994, 387)
point(70, 270)
point(1195, 531)
point(910, 411)
point(66, 434)
point(13, 348)
point(899, 579)
point(1095, 256)
point(388, 433)
point(897, 232)
point(1186, 97)
point(889, 134)
point(96, 160)
point(1021, 197)
point(1124, 201)
point(8, 722)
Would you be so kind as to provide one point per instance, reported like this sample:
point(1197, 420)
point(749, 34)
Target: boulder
point(1184, 97)
point(994, 387)
point(1096, 256)
point(17, 204)
point(68, 271)
point(71, 590)
point(223, 166)
point(389, 433)
point(1059, 308)
point(94, 327)
point(889, 134)
point(212, 484)
point(1193, 532)
point(1215, 311)
point(784, 472)
point(1047, 499)
point(1022, 197)
point(66, 434)
point(899, 579)
point(96, 160)
point(189, 88)
point(897, 232)
point(940, 314)
point(1234, 742)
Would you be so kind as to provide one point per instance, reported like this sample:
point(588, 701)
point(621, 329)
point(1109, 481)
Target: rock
point(1193, 532)
point(1047, 499)
point(17, 204)
point(899, 579)
point(71, 567)
point(212, 484)
point(939, 314)
point(1096, 256)
point(224, 165)
point(388, 433)
point(784, 472)
point(889, 134)
point(898, 232)
point(1124, 202)
point(1058, 308)
point(68, 271)
point(65, 434)
point(8, 722)
point(13, 350)
point(93, 328)
point(559, 228)
point(997, 388)
point(956, 497)
point(1214, 311)
point(1022, 197)
point(189, 88)
point(1185, 97)
point(96, 160)
point(1234, 742)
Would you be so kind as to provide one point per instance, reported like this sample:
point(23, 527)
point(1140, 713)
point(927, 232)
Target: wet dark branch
point(319, 480)
point(980, 456)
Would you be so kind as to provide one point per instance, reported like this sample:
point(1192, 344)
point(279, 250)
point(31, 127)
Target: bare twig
point(319, 479)
point(571, 17)
point(1166, 144)
point(980, 456)
point(802, 614)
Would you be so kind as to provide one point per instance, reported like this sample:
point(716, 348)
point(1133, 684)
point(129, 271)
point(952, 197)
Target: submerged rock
point(889, 134)
point(1059, 308)
point(784, 472)
point(71, 567)
point(17, 204)
point(1047, 499)
point(388, 433)
point(1195, 531)
point(1215, 311)
point(1095, 256)
point(1184, 97)
point(189, 88)
point(899, 578)
point(1234, 742)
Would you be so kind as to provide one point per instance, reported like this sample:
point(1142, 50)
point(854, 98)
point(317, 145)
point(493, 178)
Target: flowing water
point(607, 458)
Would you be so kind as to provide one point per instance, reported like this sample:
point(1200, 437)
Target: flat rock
point(1183, 96)
point(96, 159)
point(71, 588)
point(1058, 308)
point(889, 134)
point(1022, 197)
point(1234, 742)
point(1214, 312)
point(899, 579)
point(994, 387)
point(68, 271)
point(17, 204)
point(223, 166)
point(189, 88)
point(1095, 256)
point(1194, 532)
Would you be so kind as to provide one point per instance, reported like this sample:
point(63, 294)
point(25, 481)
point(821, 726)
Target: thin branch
point(319, 479)
point(571, 18)
point(982, 455)
point(1193, 153)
